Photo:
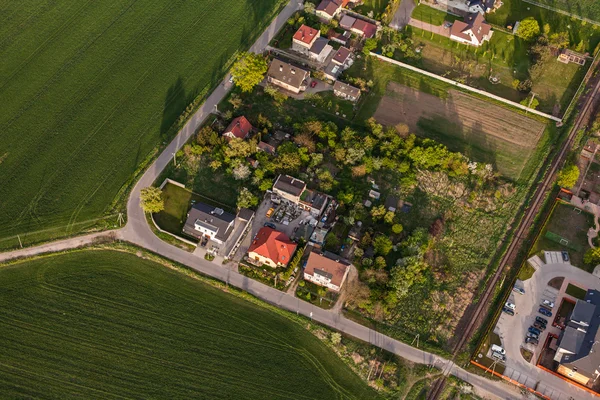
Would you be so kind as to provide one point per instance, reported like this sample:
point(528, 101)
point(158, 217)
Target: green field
point(432, 15)
point(589, 9)
point(105, 324)
point(89, 89)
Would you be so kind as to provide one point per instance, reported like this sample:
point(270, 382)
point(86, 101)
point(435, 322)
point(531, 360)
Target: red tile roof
point(240, 128)
point(274, 245)
point(368, 29)
point(330, 7)
point(306, 34)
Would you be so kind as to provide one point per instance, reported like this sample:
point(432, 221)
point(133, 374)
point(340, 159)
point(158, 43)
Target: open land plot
point(432, 16)
point(377, 7)
point(566, 229)
point(589, 9)
point(89, 89)
point(481, 130)
point(103, 324)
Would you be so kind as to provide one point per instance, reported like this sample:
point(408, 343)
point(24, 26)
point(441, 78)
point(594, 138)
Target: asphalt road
point(138, 232)
point(402, 15)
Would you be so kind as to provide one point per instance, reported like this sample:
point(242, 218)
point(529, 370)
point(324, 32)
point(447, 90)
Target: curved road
point(138, 232)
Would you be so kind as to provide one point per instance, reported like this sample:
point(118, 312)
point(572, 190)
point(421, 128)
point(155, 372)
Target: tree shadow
point(175, 103)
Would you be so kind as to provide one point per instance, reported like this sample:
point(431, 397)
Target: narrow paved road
point(402, 15)
point(138, 232)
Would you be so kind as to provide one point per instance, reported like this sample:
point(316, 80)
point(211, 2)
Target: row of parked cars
point(540, 324)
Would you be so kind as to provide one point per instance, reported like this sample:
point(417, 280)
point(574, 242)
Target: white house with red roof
point(239, 128)
point(304, 38)
point(272, 248)
point(474, 31)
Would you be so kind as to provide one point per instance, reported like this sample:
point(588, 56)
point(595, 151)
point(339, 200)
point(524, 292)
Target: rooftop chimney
point(293, 71)
point(280, 67)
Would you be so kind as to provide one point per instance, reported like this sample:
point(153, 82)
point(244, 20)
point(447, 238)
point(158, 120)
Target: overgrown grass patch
point(432, 15)
point(576, 291)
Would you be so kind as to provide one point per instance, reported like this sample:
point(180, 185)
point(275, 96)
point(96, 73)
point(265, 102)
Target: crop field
point(89, 89)
point(105, 324)
point(589, 9)
point(483, 131)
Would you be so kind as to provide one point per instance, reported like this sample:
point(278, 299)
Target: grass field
point(105, 324)
point(89, 89)
point(432, 15)
point(479, 129)
point(576, 291)
point(589, 9)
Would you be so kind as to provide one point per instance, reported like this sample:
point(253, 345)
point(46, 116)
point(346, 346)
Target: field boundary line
point(564, 12)
point(466, 87)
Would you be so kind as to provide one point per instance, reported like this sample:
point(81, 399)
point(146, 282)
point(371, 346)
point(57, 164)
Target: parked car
point(519, 290)
point(565, 256)
point(532, 335)
point(508, 311)
point(270, 212)
point(531, 340)
point(313, 83)
point(510, 305)
point(270, 225)
point(541, 327)
point(534, 330)
point(547, 303)
point(499, 356)
point(545, 311)
point(541, 320)
point(498, 349)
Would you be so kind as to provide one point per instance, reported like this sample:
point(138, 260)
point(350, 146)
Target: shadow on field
point(176, 102)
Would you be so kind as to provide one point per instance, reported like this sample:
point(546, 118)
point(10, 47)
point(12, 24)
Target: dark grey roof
point(572, 339)
point(210, 217)
point(587, 357)
point(290, 185)
point(346, 89)
point(583, 312)
point(319, 45)
point(323, 273)
point(315, 199)
point(245, 214)
point(333, 69)
point(287, 73)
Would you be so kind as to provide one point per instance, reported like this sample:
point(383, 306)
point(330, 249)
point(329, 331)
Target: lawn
point(377, 7)
point(105, 324)
point(576, 291)
point(432, 15)
point(566, 222)
point(90, 89)
point(589, 9)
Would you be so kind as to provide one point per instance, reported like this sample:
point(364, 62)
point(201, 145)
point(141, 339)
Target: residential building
point(327, 9)
point(313, 202)
point(266, 147)
point(364, 28)
point(272, 248)
point(332, 71)
point(346, 91)
point(320, 50)
point(480, 6)
point(304, 38)
point(289, 188)
point(287, 76)
point(578, 350)
point(205, 221)
point(239, 128)
point(341, 38)
point(474, 31)
point(347, 21)
point(325, 271)
point(343, 57)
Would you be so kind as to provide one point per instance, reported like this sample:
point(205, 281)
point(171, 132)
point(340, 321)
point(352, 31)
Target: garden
point(315, 294)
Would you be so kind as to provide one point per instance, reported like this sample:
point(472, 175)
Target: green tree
point(246, 199)
point(568, 176)
point(370, 45)
point(388, 218)
point(248, 71)
point(528, 29)
point(378, 212)
point(592, 256)
point(397, 228)
point(531, 103)
point(560, 40)
point(151, 200)
point(379, 262)
point(382, 245)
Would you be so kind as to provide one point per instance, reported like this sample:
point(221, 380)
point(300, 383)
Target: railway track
point(524, 225)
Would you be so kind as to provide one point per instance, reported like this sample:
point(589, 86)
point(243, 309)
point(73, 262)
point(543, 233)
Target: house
point(327, 9)
point(332, 71)
point(304, 38)
point(481, 6)
point(287, 76)
point(205, 221)
point(341, 38)
point(313, 202)
point(347, 21)
point(239, 128)
point(364, 28)
point(320, 50)
point(289, 188)
point(346, 91)
point(474, 31)
point(325, 271)
point(343, 57)
point(266, 147)
point(272, 248)
point(577, 354)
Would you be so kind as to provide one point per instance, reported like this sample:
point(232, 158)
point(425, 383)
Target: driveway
point(438, 29)
point(402, 15)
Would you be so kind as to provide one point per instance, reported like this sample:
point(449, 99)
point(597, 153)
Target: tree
point(378, 212)
point(248, 71)
point(592, 256)
point(151, 200)
point(235, 101)
point(370, 45)
point(528, 29)
point(238, 148)
point(379, 262)
point(560, 40)
point(241, 172)
point(388, 218)
point(382, 245)
point(397, 228)
point(568, 176)
point(304, 139)
point(530, 102)
point(246, 199)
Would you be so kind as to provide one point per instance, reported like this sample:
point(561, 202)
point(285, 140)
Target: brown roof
point(330, 7)
point(342, 55)
point(346, 89)
point(274, 245)
point(287, 73)
point(240, 127)
point(290, 185)
point(367, 28)
point(306, 34)
point(334, 270)
point(474, 23)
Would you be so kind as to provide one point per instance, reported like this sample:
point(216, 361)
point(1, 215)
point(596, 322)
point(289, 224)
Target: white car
point(510, 305)
point(548, 303)
point(498, 349)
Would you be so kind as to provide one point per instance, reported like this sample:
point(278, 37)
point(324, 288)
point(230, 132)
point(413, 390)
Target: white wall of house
point(257, 257)
point(301, 47)
point(284, 85)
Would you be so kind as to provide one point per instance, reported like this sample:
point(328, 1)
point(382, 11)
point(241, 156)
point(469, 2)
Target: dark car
point(534, 330)
point(531, 340)
point(545, 312)
point(541, 320)
point(508, 311)
point(540, 326)
point(532, 335)
point(270, 225)
point(565, 256)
